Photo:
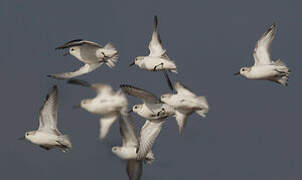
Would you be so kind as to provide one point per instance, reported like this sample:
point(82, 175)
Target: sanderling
point(48, 136)
point(264, 68)
point(158, 59)
point(185, 102)
point(90, 53)
point(154, 111)
point(128, 150)
point(107, 103)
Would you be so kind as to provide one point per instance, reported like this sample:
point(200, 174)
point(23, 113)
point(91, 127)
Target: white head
point(86, 104)
point(116, 150)
point(137, 108)
point(75, 51)
point(138, 61)
point(166, 98)
point(29, 135)
point(244, 71)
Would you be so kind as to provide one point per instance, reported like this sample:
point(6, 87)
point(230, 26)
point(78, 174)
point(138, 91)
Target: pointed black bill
point(76, 106)
point(21, 138)
point(168, 80)
point(131, 64)
point(237, 73)
point(130, 111)
point(65, 54)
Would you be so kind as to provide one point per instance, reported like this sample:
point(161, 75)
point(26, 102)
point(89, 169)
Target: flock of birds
point(136, 147)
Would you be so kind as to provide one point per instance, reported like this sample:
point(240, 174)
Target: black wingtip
point(78, 82)
point(155, 22)
point(168, 80)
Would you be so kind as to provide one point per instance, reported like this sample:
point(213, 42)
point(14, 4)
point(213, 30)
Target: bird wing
point(134, 169)
point(79, 42)
point(127, 130)
point(87, 68)
point(181, 89)
point(149, 133)
point(262, 50)
point(181, 120)
point(48, 114)
point(155, 45)
point(140, 93)
point(99, 88)
point(105, 124)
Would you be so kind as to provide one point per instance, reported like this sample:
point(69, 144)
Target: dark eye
point(242, 69)
point(26, 134)
point(135, 107)
point(71, 49)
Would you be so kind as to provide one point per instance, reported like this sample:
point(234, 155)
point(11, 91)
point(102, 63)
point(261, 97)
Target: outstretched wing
point(148, 135)
point(134, 169)
point(155, 45)
point(87, 68)
point(98, 87)
point(181, 89)
point(140, 93)
point(181, 120)
point(262, 50)
point(127, 130)
point(78, 42)
point(106, 123)
point(49, 112)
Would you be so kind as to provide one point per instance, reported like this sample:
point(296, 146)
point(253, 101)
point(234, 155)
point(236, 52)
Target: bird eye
point(135, 107)
point(26, 134)
point(71, 49)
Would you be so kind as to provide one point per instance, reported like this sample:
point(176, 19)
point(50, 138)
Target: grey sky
point(253, 129)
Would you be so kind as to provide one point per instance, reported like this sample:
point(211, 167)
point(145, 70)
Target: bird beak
point(21, 138)
point(66, 54)
point(130, 111)
point(237, 73)
point(131, 64)
point(76, 106)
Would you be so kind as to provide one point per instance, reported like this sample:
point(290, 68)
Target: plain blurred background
point(253, 128)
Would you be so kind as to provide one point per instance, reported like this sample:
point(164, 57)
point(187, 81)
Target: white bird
point(130, 144)
point(264, 68)
point(48, 136)
point(185, 102)
point(107, 103)
point(90, 53)
point(154, 111)
point(158, 59)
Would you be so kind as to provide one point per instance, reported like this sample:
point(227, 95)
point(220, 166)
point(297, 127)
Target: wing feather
point(49, 112)
point(140, 93)
point(262, 50)
point(155, 45)
point(149, 133)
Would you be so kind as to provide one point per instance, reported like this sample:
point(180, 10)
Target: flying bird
point(154, 111)
point(48, 136)
point(90, 53)
point(264, 68)
point(130, 143)
point(185, 102)
point(107, 103)
point(158, 59)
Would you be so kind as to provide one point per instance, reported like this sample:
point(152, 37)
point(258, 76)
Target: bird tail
point(112, 60)
point(64, 142)
point(150, 157)
point(284, 72)
point(202, 101)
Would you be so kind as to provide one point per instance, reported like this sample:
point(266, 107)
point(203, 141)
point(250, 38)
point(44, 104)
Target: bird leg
point(44, 147)
point(155, 67)
point(161, 111)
